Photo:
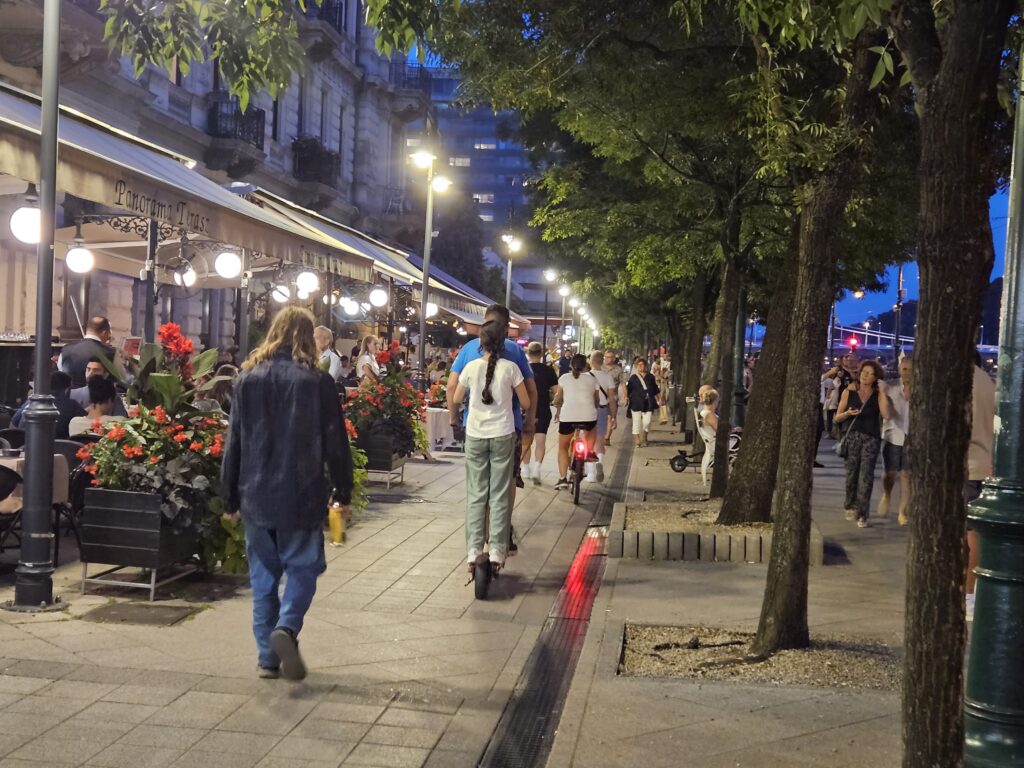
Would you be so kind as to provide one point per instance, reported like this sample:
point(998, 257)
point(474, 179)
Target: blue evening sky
point(851, 310)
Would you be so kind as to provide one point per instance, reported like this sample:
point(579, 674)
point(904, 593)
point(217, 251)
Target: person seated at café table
point(102, 396)
point(67, 409)
point(80, 395)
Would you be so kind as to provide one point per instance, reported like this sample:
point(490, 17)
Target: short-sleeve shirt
point(512, 352)
point(578, 397)
point(604, 379)
point(494, 419)
point(546, 379)
point(894, 430)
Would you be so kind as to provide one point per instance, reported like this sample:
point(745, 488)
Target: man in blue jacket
point(286, 437)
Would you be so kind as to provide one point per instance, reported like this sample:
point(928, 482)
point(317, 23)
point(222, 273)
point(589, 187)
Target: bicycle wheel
point(678, 463)
point(577, 481)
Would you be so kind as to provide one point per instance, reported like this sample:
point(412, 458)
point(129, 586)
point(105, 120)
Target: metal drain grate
point(396, 498)
point(527, 727)
point(140, 613)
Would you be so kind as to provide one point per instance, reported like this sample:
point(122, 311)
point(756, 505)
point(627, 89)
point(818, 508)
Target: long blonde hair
point(291, 330)
point(364, 348)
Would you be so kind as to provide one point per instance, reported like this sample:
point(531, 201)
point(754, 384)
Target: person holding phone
point(863, 404)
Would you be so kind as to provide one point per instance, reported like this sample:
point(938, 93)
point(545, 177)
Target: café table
point(439, 428)
point(12, 504)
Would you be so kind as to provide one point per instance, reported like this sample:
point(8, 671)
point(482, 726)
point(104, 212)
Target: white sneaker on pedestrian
point(591, 475)
point(851, 514)
point(536, 473)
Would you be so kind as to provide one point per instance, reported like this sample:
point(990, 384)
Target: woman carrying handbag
point(864, 404)
point(641, 397)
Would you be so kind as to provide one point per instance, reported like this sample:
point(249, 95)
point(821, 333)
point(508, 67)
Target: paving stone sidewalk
point(611, 720)
point(406, 669)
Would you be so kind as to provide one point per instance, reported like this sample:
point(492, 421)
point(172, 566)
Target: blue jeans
point(272, 554)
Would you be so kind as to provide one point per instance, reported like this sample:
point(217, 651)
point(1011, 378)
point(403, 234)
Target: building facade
point(334, 142)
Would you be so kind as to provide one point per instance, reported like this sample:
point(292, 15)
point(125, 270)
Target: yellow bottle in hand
point(336, 522)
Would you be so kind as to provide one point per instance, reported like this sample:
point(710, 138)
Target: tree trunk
point(783, 622)
point(727, 305)
point(695, 335)
point(677, 342)
point(748, 498)
point(955, 87)
point(711, 372)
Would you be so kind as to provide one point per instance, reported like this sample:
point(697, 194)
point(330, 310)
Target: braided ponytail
point(492, 341)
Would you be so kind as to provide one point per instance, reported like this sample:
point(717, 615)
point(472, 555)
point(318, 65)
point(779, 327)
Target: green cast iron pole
point(994, 694)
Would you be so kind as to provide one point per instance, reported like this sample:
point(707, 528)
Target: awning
point(387, 261)
point(114, 169)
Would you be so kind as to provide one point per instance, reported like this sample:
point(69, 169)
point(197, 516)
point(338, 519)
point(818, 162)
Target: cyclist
point(580, 397)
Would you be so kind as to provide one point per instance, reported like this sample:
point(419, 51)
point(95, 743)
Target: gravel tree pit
point(710, 653)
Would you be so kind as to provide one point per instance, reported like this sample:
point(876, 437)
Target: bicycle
point(579, 456)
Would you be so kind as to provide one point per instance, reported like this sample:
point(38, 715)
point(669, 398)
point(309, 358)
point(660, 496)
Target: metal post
point(544, 343)
point(428, 236)
point(33, 584)
point(994, 697)
point(242, 309)
point(739, 406)
point(149, 325)
point(508, 282)
point(561, 320)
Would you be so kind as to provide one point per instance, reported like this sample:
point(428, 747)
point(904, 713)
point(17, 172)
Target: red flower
point(90, 468)
point(154, 459)
point(134, 411)
point(83, 452)
point(160, 415)
point(180, 438)
point(216, 450)
point(94, 481)
point(196, 446)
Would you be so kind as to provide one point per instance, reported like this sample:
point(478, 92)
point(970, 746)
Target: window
point(459, 162)
point(323, 117)
point(486, 217)
point(341, 131)
point(485, 145)
point(301, 116)
point(275, 120)
point(483, 197)
point(413, 141)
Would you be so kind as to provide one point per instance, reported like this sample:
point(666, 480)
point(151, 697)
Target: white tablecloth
point(13, 503)
point(439, 428)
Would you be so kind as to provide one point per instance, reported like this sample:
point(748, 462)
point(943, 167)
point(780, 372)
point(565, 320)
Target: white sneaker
point(591, 475)
point(536, 472)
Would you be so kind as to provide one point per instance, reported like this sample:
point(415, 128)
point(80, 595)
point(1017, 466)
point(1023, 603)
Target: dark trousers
point(861, 457)
point(821, 428)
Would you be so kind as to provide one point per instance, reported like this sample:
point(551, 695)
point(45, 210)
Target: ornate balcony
point(237, 145)
point(412, 89)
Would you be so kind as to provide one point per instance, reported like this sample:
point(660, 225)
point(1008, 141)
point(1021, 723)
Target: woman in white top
point(367, 368)
point(580, 395)
point(490, 445)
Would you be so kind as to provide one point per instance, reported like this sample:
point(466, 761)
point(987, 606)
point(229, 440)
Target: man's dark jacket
point(76, 355)
point(286, 427)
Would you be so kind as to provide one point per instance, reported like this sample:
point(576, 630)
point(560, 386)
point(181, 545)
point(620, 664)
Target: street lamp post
point(514, 244)
point(33, 584)
point(549, 277)
point(994, 697)
point(563, 291)
point(898, 313)
point(425, 160)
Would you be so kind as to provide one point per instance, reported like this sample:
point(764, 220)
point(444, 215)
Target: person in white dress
point(367, 368)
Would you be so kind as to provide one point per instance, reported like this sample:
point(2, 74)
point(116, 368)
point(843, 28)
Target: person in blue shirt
point(525, 423)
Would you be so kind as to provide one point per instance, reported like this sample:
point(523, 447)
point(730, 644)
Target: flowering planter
point(380, 452)
point(126, 529)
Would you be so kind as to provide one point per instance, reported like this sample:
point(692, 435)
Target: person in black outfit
point(96, 343)
point(546, 381)
point(67, 409)
point(864, 404)
point(565, 362)
point(286, 428)
point(641, 398)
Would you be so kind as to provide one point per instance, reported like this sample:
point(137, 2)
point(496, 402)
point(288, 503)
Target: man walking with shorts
point(894, 437)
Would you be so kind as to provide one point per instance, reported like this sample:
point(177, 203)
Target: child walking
point(487, 385)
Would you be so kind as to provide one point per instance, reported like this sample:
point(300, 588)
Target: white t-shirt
point(364, 361)
point(578, 397)
point(607, 383)
point(894, 430)
point(494, 420)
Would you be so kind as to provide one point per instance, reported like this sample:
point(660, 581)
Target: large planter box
point(380, 453)
point(125, 528)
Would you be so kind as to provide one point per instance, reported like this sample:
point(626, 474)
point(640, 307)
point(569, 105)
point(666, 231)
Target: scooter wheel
point(481, 579)
point(678, 463)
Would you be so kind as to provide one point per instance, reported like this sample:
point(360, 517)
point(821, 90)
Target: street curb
point(709, 544)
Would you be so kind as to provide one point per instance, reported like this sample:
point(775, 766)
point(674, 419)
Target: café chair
point(15, 437)
point(9, 480)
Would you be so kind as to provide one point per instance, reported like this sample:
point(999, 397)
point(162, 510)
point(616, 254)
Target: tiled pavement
point(406, 669)
point(612, 720)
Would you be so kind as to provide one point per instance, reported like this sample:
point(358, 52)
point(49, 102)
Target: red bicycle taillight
point(581, 448)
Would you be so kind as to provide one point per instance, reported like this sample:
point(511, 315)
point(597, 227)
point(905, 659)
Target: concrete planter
point(711, 543)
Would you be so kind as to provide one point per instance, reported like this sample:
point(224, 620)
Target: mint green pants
point(489, 464)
